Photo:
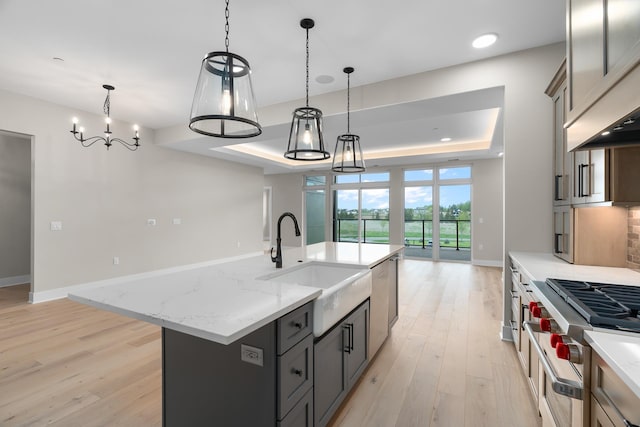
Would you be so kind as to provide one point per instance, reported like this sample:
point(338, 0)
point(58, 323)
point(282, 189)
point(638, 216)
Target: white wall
point(286, 196)
point(15, 210)
point(104, 198)
point(487, 216)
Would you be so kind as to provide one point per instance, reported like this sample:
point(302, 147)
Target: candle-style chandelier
point(106, 139)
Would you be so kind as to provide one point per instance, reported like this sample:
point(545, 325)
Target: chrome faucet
point(278, 258)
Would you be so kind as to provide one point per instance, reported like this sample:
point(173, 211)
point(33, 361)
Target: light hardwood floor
point(66, 364)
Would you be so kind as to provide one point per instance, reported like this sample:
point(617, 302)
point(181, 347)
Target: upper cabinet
point(603, 57)
point(562, 159)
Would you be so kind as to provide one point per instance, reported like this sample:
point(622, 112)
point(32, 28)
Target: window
point(364, 177)
point(361, 208)
point(437, 213)
point(315, 202)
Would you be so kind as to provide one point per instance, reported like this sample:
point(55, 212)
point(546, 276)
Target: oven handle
point(561, 386)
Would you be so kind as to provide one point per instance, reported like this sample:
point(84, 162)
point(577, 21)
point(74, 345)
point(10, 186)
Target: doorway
point(16, 212)
point(437, 213)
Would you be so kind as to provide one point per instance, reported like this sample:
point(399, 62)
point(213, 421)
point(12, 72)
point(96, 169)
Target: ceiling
point(151, 52)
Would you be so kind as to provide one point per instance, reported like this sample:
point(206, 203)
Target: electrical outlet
point(480, 246)
point(251, 355)
point(151, 221)
point(116, 260)
point(176, 221)
point(56, 225)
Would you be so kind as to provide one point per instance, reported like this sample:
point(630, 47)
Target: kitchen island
point(238, 350)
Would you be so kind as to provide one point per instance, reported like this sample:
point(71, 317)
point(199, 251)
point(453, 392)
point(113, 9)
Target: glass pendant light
point(305, 138)
point(347, 157)
point(224, 105)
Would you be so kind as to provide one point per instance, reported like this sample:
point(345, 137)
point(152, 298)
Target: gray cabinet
point(263, 379)
point(340, 357)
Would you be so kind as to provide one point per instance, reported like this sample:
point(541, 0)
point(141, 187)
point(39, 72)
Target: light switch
point(151, 221)
point(177, 221)
point(56, 225)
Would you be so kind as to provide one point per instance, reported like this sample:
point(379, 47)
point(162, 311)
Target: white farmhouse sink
point(343, 289)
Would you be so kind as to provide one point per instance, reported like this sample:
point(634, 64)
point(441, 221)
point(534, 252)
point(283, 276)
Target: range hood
point(624, 133)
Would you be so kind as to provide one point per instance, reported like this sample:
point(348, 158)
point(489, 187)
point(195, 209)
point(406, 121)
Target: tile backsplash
point(633, 238)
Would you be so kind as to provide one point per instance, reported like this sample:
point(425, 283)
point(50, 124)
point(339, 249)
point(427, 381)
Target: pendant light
point(347, 157)
point(224, 105)
point(305, 138)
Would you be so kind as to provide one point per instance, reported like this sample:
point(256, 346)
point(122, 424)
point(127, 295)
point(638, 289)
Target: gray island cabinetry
point(241, 347)
point(263, 377)
point(341, 355)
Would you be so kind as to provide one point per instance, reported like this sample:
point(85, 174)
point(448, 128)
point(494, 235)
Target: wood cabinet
point(603, 53)
point(521, 296)
point(563, 232)
point(613, 402)
point(562, 158)
point(341, 355)
point(263, 379)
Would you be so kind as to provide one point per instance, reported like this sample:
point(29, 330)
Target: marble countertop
point(621, 350)
point(224, 301)
point(540, 266)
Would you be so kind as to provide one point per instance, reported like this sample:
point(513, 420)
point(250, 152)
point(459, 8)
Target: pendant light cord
point(348, 102)
point(307, 68)
point(226, 26)
point(107, 103)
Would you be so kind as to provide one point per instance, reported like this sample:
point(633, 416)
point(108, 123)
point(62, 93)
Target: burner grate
point(605, 305)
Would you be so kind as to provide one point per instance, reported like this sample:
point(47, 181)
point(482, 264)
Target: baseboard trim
point(487, 263)
point(59, 293)
point(506, 334)
point(15, 280)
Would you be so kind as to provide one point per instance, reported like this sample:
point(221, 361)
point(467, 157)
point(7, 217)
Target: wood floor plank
point(67, 364)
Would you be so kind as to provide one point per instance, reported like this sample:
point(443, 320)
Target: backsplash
point(633, 237)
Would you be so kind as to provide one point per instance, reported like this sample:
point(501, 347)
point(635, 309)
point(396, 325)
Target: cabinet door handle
point(351, 335)
point(346, 348)
point(557, 249)
point(557, 187)
point(581, 180)
point(297, 325)
point(298, 372)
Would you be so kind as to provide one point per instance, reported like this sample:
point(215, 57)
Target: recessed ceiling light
point(605, 133)
point(445, 139)
point(500, 154)
point(324, 79)
point(485, 40)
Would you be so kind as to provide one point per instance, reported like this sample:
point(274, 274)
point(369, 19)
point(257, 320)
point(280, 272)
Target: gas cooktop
point(602, 304)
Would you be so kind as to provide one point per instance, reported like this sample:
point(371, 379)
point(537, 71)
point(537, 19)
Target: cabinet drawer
point(615, 397)
point(301, 415)
point(294, 326)
point(295, 375)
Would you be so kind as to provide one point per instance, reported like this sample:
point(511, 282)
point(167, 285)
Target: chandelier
point(106, 139)
point(347, 157)
point(224, 105)
point(305, 137)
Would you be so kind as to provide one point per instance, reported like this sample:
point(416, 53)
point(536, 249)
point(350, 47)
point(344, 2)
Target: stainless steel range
point(566, 309)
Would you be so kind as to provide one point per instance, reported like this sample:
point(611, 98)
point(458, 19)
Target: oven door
point(563, 391)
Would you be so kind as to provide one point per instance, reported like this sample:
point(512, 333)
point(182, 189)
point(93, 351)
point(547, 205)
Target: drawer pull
point(298, 372)
point(297, 325)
